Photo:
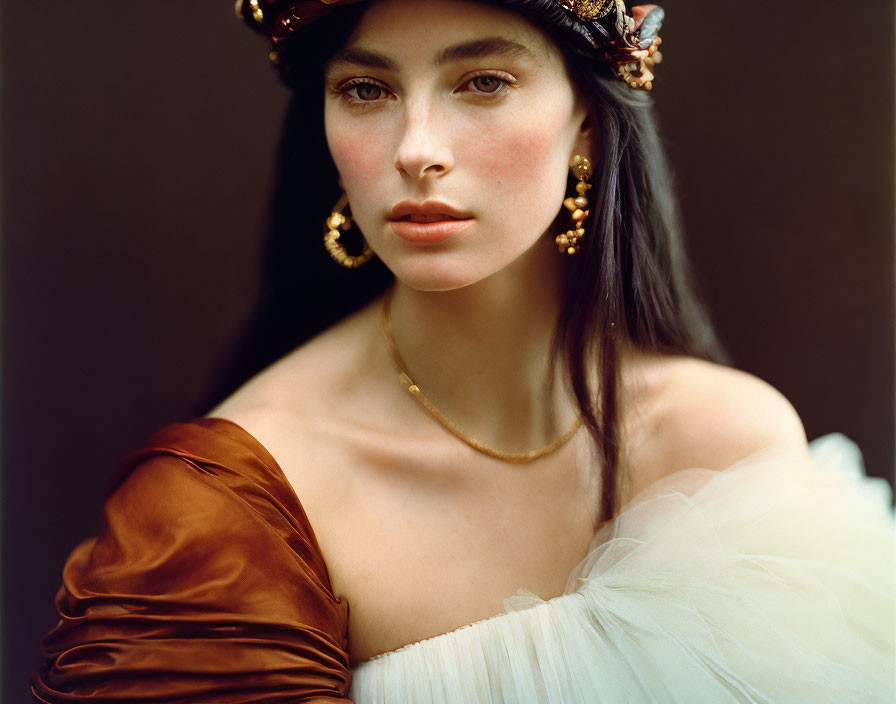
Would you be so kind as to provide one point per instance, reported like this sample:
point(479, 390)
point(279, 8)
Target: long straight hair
point(630, 284)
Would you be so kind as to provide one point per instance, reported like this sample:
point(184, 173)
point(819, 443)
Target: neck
point(481, 354)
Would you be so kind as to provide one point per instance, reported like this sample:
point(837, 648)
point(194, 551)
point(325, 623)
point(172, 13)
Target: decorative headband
point(627, 40)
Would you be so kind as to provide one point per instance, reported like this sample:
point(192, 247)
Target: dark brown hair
point(629, 284)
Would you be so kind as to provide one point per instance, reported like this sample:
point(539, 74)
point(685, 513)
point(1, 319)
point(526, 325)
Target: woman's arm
point(193, 591)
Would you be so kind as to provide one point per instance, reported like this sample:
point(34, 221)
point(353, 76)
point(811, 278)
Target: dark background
point(138, 143)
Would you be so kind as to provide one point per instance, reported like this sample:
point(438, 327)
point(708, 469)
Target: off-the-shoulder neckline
point(269, 461)
point(263, 453)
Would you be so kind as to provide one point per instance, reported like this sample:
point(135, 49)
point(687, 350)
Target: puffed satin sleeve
point(205, 584)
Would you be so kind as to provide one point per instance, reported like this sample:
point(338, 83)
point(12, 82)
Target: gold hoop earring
point(568, 242)
point(338, 222)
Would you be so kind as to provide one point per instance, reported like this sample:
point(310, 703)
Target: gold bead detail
point(581, 167)
point(588, 10)
point(336, 222)
point(568, 242)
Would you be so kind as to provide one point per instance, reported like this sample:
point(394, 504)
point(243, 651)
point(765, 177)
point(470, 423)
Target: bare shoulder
point(294, 404)
point(711, 416)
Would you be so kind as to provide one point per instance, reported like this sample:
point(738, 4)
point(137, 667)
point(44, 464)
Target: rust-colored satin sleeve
point(205, 584)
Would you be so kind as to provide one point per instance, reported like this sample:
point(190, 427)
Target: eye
point(363, 92)
point(487, 84)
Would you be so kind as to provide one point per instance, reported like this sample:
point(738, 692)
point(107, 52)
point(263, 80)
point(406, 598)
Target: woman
point(515, 472)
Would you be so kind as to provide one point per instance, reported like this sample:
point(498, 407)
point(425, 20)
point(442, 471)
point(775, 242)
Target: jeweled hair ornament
point(630, 41)
point(627, 40)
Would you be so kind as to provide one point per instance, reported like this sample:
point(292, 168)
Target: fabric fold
point(768, 581)
point(204, 585)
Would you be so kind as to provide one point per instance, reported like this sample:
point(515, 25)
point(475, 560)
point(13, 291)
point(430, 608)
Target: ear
point(586, 136)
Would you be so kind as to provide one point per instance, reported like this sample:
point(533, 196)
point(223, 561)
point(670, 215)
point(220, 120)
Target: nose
point(422, 151)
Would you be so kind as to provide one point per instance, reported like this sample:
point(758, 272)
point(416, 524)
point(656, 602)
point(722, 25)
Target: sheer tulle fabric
point(770, 581)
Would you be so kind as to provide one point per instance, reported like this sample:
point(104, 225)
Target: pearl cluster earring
point(569, 241)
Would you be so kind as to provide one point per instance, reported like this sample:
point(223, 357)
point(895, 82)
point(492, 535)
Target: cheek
point(359, 155)
point(525, 162)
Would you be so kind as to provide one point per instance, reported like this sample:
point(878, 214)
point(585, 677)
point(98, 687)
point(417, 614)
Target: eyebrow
point(491, 46)
point(477, 49)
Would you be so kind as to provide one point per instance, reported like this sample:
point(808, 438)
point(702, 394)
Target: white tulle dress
point(769, 581)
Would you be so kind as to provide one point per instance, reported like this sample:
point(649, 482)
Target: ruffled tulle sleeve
point(769, 582)
point(205, 584)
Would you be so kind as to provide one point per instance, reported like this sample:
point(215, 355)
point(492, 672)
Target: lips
point(432, 210)
point(429, 222)
point(435, 217)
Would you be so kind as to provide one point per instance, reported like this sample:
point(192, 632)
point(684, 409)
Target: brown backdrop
point(138, 144)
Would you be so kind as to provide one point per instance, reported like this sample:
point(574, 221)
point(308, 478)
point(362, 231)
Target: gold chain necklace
point(416, 392)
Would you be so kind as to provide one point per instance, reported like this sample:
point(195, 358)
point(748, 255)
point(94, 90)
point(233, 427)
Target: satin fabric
point(768, 582)
point(205, 584)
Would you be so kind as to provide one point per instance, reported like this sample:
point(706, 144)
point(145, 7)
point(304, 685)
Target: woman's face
point(458, 114)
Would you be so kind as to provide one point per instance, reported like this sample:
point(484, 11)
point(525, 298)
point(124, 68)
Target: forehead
point(437, 32)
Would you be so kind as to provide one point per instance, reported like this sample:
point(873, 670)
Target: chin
point(430, 272)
